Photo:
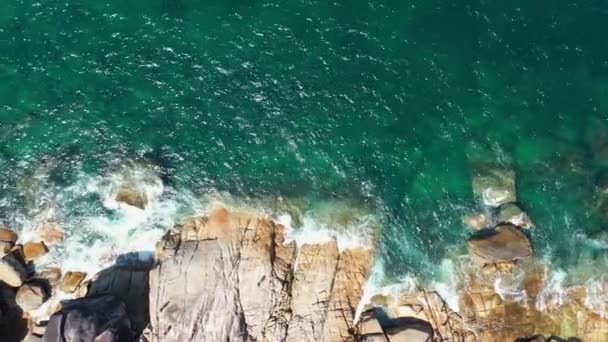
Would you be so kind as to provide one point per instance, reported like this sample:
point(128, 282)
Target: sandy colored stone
point(8, 235)
point(31, 296)
point(311, 290)
point(51, 233)
point(5, 248)
point(71, 281)
point(234, 277)
point(502, 244)
point(12, 271)
point(131, 197)
point(352, 271)
point(52, 274)
point(34, 250)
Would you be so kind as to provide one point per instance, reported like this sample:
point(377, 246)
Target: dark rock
point(129, 285)
point(13, 327)
point(410, 330)
point(91, 319)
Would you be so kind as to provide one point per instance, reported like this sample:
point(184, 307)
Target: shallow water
point(383, 104)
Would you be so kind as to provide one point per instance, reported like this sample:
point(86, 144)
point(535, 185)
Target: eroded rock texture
point(233, 277)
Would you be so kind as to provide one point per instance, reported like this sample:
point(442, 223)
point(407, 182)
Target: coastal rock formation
point(130, 286)
point(501, 244)
point(232, 276)
point(235, 276)
point(34, 250)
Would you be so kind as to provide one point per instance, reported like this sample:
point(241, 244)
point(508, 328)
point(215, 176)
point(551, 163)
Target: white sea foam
point(553, 294)
point(106, 228)
point(313, 231)
point(597, 295)
point(446, 284)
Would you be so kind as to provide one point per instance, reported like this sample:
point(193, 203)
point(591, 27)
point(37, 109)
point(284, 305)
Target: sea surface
point(378, 107)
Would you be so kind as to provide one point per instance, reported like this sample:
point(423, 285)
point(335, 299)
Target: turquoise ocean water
point(384, 104)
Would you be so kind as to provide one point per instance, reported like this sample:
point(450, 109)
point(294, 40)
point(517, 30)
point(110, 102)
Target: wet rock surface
point(494, 186)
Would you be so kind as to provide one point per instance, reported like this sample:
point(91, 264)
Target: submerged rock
point(494, 186)
point(50, 274)
point(91, 319)
point(12, 271)
point(131, 197)
point(502, 244)
point(511, 213)
point(478, 221)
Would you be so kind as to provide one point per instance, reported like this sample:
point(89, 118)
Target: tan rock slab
point(131, 197)
point(71, 281)
point(8, 235)
point(34, 250)
point(502, 244)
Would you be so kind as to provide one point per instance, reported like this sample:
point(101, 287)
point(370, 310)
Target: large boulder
point(91, 319)
point(130, 285)
point(34, 250)
point(51, 233)
point(232, 276)
point(30, 296)
point(494, 186)
point(502, 244)
point(12, 271)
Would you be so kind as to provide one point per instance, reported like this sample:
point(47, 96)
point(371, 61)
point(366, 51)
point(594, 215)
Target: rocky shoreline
point(233, 275)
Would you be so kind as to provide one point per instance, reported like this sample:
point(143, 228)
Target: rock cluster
point(234, 276)
point(500, 234)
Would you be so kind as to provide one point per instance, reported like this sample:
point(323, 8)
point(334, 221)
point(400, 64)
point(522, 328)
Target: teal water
point(386, 104)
